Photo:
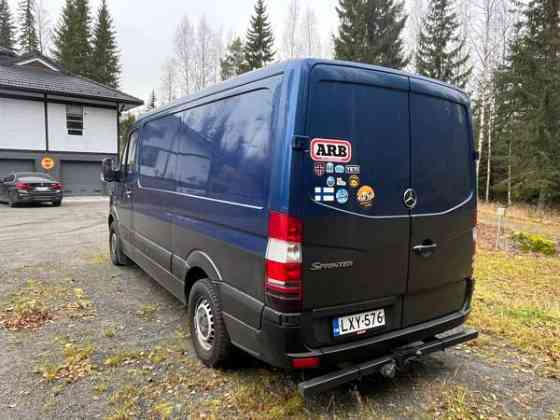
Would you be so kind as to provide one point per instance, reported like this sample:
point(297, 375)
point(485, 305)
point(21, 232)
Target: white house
point(57, 122)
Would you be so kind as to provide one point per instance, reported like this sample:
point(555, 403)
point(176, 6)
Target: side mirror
point(107, 172)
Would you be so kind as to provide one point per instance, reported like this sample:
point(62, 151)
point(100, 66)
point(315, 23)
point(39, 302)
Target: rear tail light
point(283, 286)
point(57, 186)
point(23, 186)
point(306, 363)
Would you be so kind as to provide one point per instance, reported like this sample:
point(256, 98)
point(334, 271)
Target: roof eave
point(130, 103)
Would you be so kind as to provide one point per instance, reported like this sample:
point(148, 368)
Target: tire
point(57, 203)
point(208, 331)
point(118, 257)
point(11, 201)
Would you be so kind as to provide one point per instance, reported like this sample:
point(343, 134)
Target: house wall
point(22, 124)
point(24, 142)
point(99, 134)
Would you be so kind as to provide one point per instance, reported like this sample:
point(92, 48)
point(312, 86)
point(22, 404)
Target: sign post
point(501, 214)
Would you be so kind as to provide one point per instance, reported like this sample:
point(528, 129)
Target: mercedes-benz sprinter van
point(310, 213)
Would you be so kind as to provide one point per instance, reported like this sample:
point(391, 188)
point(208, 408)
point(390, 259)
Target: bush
point(534, 243)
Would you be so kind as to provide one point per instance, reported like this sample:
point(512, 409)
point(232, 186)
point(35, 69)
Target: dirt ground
point(108, 342)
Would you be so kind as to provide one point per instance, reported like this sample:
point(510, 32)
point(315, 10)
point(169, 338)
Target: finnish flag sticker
point(325, 194)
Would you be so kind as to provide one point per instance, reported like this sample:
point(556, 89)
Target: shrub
point(534, 243)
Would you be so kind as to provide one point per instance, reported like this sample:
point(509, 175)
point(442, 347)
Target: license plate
point(42, 189)
point(358, 323)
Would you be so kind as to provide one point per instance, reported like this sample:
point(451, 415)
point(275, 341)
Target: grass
point(36, 303)
point(76, 364)
point(148, 311)
point(517, 298)
point(523, 212)
point(456, 402)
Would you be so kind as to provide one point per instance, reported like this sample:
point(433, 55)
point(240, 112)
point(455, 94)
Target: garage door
point(81, 178)
point(7, 166)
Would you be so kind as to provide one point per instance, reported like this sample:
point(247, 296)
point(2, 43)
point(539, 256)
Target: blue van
point(312, 213)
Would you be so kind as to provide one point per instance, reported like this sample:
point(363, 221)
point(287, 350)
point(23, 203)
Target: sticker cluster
point(341, 178)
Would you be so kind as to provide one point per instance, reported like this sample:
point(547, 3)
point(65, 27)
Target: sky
point(145, 29)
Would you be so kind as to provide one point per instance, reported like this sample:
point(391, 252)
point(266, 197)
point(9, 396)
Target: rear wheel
point(118, 257)
point(57, 203)
point(12, 199)
point(210, 338)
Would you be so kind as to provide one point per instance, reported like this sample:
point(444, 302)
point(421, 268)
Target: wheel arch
point(200, 265)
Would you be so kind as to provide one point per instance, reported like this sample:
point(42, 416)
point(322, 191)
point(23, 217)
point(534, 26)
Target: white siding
point(22, 124)
point(99, 135)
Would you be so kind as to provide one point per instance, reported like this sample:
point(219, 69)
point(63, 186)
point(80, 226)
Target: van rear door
point(442, 169)
point(356, 228)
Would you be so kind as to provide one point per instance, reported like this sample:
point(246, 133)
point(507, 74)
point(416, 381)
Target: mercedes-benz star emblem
point(409, 198)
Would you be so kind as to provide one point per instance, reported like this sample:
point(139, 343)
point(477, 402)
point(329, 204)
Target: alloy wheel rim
point(114, 244)
point(204, 324)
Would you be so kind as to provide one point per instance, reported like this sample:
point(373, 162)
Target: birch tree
point(43, 24)
point(309, 35)
point(169, 82)
point(198, 50)
point(184, 54)
point(291, 45)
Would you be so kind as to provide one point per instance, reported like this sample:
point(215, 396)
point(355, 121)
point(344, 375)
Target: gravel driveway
point(112, 343)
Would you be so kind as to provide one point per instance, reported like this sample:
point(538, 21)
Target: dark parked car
point(30, 187)
point(313, 213)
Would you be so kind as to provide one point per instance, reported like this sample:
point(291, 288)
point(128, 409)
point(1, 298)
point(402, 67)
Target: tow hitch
point(385, 365)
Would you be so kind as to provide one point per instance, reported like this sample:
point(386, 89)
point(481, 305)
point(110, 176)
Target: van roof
point(425, 83)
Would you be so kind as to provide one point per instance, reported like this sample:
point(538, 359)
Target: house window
point(75, 119)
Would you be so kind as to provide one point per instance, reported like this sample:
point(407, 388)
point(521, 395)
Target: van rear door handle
point(425, 250)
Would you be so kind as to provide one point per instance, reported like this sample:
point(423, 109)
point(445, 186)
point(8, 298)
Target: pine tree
point(258, 49)
point(233, 63)
point(531, 85)
point(62, 37)
point(6, 26)
point(441, 51)
point(28, 41)
point(370, 32)
point(82, 37)
point(384, 25)
point(105, 58)
point(351, 42)
point(72, 46)
point(152, 101)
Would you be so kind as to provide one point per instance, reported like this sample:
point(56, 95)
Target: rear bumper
point(396, 358)
point(276, 337)
point(38, 197)
point(282, 336)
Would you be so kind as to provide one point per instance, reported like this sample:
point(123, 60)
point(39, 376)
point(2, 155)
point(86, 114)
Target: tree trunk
point(480, 135)
point(489, 140)
point(542, 201)
point(509, 173)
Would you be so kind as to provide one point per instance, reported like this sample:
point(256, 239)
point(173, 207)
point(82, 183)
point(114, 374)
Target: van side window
point(224, 147)
point(157, 160)
point(131, 153)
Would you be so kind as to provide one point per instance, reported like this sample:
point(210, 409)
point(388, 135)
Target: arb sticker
point(365, 196)
point(327, 150)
